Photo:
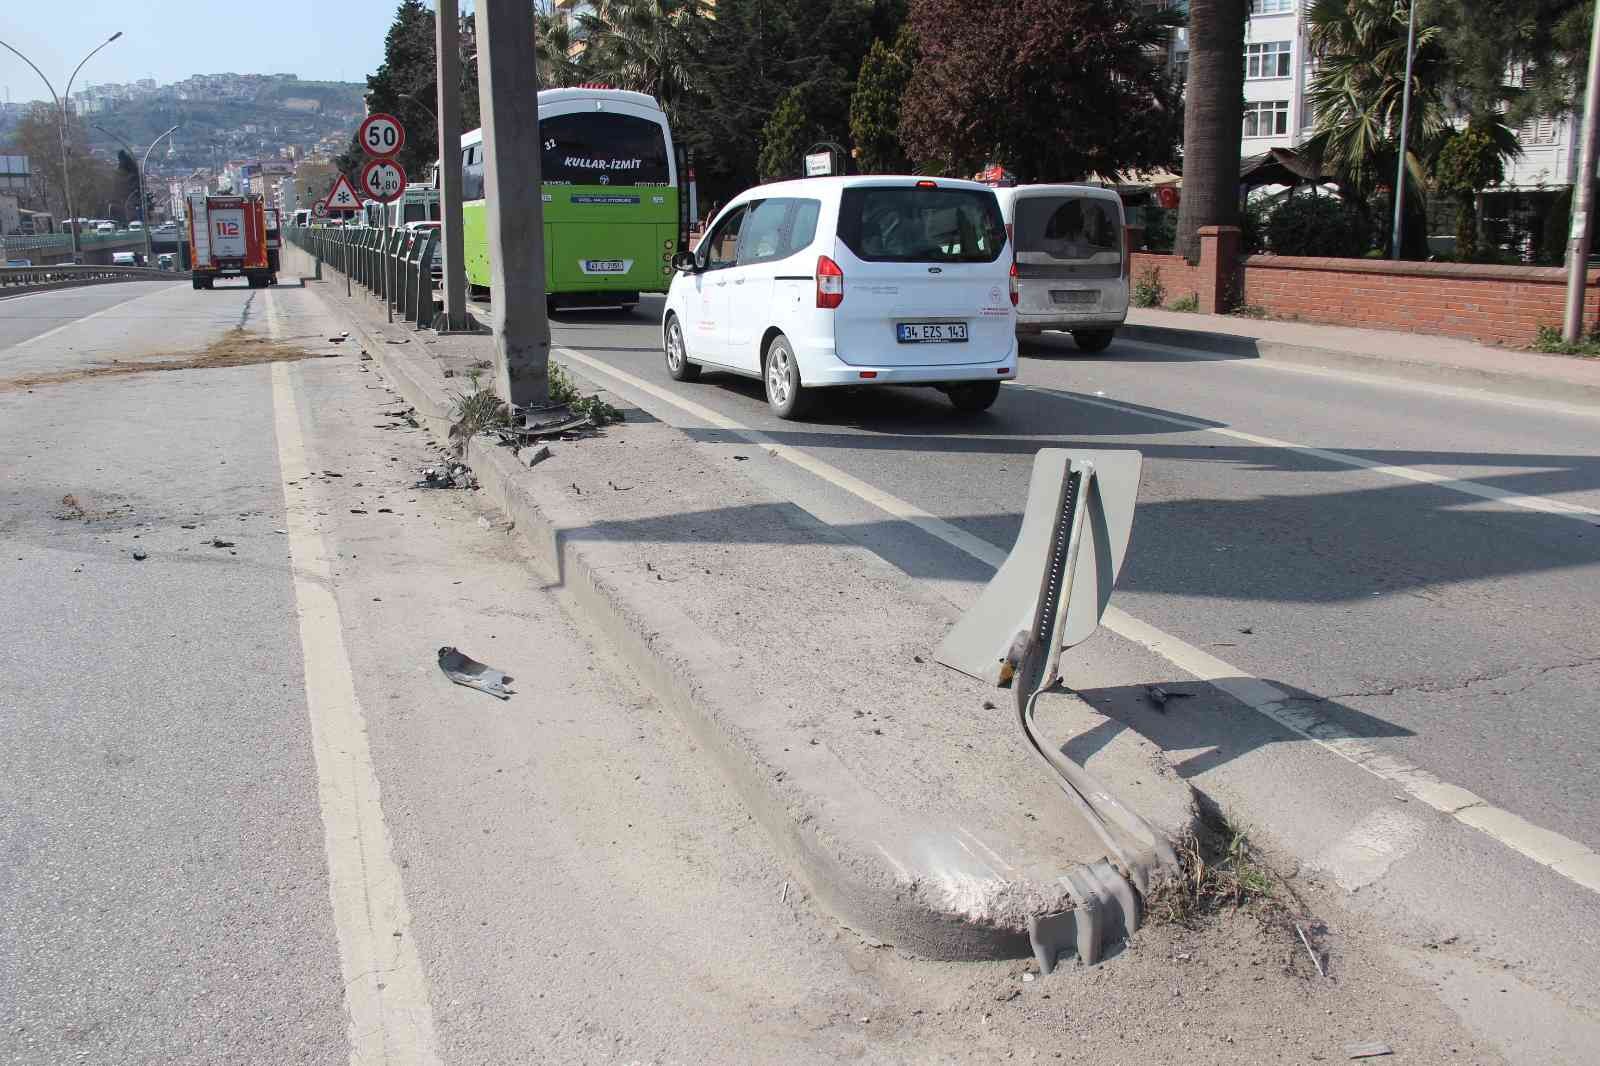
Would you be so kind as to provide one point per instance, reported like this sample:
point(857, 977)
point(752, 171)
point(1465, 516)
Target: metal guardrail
point(65, 274)
point(398, 270)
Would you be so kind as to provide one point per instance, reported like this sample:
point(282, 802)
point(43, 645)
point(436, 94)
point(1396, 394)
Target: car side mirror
point(685, 262)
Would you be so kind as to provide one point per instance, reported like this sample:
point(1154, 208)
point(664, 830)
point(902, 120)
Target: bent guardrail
point(399, 270)
point(65, 275)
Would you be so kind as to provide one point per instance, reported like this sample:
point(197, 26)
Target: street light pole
point(1405, 125)
point(144, 162)
point(61, 127)
point(1581, 234)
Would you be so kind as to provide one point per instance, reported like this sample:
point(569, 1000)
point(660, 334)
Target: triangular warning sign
point(343, 197)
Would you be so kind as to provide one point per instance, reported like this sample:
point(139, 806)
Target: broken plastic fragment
point(464, 670)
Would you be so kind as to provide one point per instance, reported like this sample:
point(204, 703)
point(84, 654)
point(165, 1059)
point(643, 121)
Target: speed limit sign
point(319, 209)
point(381, 135)
point(383, 180)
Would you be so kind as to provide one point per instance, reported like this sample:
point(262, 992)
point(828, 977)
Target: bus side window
point(472, 173)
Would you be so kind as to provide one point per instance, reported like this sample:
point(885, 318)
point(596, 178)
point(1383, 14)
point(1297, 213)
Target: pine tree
point(875, 105)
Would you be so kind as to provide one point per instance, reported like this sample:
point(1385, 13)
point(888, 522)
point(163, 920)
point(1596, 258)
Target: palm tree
point(1212, 120)
point(650, 46)
point(1356, 93)
point(562, 59)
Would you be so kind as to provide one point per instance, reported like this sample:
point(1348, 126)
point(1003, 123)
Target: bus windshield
point(603, 148)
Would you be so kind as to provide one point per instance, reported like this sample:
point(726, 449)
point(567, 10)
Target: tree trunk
point(1212, 116)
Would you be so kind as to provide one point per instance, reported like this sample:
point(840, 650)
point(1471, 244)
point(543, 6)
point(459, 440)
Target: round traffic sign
point(381, 135)
point(383, 180)
point(319, 209)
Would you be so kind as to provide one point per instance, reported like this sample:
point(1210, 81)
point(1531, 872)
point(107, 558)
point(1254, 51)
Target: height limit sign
point(381, 136)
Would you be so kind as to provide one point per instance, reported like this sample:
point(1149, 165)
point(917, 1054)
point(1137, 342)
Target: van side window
point(472, 172)
point(722, 245)
point(764, 232)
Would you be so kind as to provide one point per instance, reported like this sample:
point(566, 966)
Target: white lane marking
point(87, 318)
point(385, 989)
point(1454, 392)
point(1567, 857)
point(1377, 842)
point(1560, 509)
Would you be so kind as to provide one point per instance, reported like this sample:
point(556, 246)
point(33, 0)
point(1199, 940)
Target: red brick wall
point(1490, 304)
point(1177, 275)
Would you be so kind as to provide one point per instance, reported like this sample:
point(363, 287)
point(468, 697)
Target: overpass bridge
point(54, 248)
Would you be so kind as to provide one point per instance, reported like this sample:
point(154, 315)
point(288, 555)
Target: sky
point(168, 40)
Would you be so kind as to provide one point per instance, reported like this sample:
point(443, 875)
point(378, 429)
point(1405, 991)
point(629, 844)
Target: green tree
point(1356, 94)
point(753, 53)
point(875, 105)
point(406, 86)
point(1212, 121)
point(1055, 90)
point(786, 136)
point(649, 46)
point(561, 62)
point(1469, 162)
point(37, 136)
point(1545, 42)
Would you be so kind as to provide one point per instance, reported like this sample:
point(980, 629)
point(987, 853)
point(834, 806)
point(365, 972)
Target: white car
point(839, 281)
point(1072, 263)
point(106, 227)
point(136, 226)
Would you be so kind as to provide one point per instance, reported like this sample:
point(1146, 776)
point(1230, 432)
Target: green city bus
point(611, 198)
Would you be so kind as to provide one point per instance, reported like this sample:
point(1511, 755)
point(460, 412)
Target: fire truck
point(228, 239)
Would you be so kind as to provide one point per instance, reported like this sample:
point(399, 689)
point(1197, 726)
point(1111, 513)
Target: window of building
point(1180, 67)
point(1270, 7)
point(1266, 118)
point(1267, 60)
point(1540, 130)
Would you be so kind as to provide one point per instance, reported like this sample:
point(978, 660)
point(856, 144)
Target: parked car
point(1072, 262)
point(136, 225)
point(826, 282)
point(164, 260)
point(124, 259)
point(106, 227)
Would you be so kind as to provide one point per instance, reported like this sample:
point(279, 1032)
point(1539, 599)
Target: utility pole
point(447, 46)
point(1405, 127)
point(508, 97)
point(1580, 235)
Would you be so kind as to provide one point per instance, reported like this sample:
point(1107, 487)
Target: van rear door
point(1069, 252)
point(925, 281)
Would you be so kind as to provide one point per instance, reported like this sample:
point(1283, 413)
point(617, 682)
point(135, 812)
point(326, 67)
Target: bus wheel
point(678, 366)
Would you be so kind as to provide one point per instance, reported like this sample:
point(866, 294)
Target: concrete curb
point(701, 678)
point(1524, 386)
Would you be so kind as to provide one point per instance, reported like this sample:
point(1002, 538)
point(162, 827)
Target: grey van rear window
point(1067, 227)
point(889, 224)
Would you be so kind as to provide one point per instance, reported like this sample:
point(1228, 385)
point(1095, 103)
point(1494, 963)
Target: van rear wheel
point(973, 396)
point(781, 373)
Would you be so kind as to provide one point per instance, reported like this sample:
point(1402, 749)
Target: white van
point(124, 259)
point(1071, 260)
point(850, 281)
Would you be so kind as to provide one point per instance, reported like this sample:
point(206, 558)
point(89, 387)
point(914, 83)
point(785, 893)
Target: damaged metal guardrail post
point(1048, 596)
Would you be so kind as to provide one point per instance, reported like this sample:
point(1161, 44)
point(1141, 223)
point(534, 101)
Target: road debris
point(537, 455)
point(464, 670)
point(1371, 1050)
point(1316, 960)
point(1159, 696)
point(453, 476)
point(218, 542)
point(140, 554)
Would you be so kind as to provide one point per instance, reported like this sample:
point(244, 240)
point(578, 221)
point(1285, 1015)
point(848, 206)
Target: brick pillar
point(1219, 278)
point(1132, 241)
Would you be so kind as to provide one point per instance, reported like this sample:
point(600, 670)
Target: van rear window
point(1074, 228)
point(889, 224)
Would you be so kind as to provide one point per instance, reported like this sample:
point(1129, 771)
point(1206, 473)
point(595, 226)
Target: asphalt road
point(243, 817)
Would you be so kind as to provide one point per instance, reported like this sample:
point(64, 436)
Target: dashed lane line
point(1567, 857)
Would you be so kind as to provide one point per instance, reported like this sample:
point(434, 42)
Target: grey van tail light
point(830, 284)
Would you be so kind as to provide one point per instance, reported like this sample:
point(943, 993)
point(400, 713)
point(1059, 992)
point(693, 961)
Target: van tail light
point(1016, 288)
point(830, 283)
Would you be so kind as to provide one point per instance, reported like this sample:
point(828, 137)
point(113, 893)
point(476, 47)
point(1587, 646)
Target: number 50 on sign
point(383, 180)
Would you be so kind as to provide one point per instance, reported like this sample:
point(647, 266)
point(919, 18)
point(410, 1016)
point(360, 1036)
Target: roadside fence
point(398, 270)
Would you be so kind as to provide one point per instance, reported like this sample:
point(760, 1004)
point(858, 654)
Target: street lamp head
point(114, 36)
